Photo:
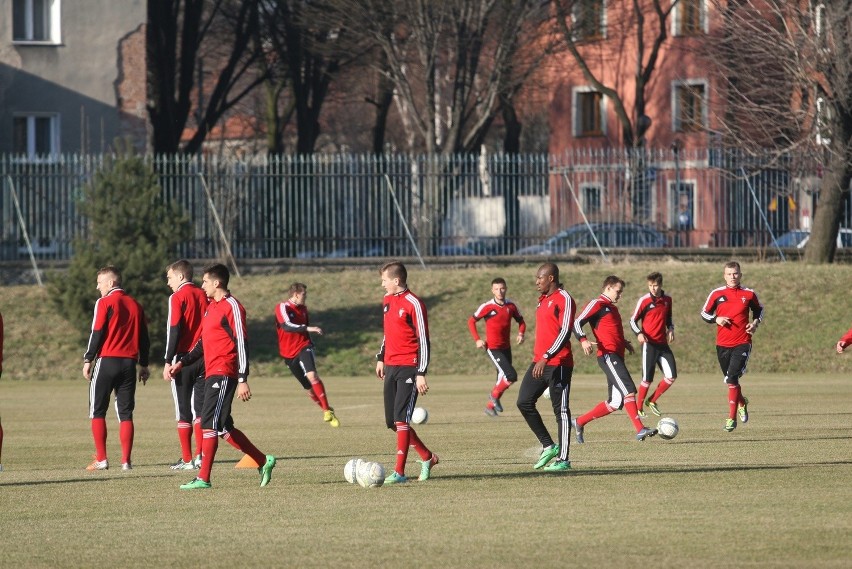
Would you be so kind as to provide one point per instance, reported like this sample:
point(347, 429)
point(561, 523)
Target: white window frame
point(575, 111)
point(31, 133)
point(676, 86)
point(54, 28)
point(704, 24)
point(584, 200)
point(821, 118)
point(602, 24)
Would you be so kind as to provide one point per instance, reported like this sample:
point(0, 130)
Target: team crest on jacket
point(401, 312)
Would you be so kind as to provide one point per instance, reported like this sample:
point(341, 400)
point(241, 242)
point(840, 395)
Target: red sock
point(184, 431)
point(633, 412)
point(500, 387)
point(662, 388)
point(196, 427)
point(99, 433)
point(319, 392)
point(643, 391)
point(418, 445)
point(313, 396)
point(733, 400)
point(602, 409)
point(403, 439)
point(242, 443)
point(209, 445)
point(125, 435)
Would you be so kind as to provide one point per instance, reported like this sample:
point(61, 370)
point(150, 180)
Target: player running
point(498, 314)
point(603, 316)
point(654, 328)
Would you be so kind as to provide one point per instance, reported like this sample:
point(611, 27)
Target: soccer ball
point(370, 475)
point(419, 416)
point(667, 428)
point(350, 471)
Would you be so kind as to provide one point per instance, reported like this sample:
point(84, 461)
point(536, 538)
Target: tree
point(129, 226)
point(788, 83)
point(181, 34)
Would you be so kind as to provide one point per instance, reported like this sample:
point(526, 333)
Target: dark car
point(609, 235)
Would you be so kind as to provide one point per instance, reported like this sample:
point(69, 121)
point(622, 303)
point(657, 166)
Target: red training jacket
point(119, 329)
point(655, 312)
point(554, 318)
point(605, 320)
point(406, 339)
point(292, 326)
point(498, 323)
point(223, 340)
point(733, 303)
point(187, 306)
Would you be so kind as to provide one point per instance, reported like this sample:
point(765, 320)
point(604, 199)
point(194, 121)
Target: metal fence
point(346, 205)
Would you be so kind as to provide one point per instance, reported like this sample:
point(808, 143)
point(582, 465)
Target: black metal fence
point(346, 205)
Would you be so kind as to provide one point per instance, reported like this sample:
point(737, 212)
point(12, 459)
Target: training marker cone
point(247, 462)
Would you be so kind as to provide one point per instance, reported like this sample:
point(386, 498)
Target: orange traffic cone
point(247, 462)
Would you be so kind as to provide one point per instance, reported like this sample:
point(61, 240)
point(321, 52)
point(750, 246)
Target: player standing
point(402, 362)
point(654, 311)
point(728, 307)
point(498, 314)
point(551, 368)
point(119, 340)
point(187, 305)
point(603, 316)
point(223, 346)
point(297, 349)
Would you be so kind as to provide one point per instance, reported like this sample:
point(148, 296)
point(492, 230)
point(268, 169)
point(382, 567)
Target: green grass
point(806, 313)
point(774, 493)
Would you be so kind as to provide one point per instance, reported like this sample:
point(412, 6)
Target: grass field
point(774, 493)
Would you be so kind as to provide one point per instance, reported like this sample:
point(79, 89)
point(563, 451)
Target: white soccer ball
point(370, 475)
point(667, 428)
point(419, 416)
point(350, 471)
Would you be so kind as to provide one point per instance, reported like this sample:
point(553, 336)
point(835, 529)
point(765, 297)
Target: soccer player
point(728, 307)
point(603, 316)
point(401, 363)
point(498, 314)
point(223, 346)
point(551, 368)
point(297, 349)
point(842, 343)
point(654, 328)
point(187, 305)
point(119, 340)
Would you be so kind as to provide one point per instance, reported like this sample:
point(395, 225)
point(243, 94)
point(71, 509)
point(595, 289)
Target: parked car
point(798, 238)
point(630, 235)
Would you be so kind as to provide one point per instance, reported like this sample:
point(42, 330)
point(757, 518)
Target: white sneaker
point(196, 462)
point(126, 466)
point(98, 465)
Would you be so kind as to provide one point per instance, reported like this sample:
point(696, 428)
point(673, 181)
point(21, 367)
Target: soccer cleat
point(195, 484)
point(654, 409)
point(644, 433)
point(266, 470)
point(547, 454)
point(98, 465)
point(497, 405)
point(730, 425)
point(395, 478)
point(742, 410)
point(196, 462)
point(426, 467)
point(558, 466)
point(491, 412)
point(126, 466)
point(181, 465)
point(578, 431)
point(640, 412)
point(329, 417)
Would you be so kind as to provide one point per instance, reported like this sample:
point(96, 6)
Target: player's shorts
point(733, 362)
point(502, 360)
point(400, 392)
point(654, 355)
point(618, 379)
point(113, 375)
point(219, 393)
point(301, 365)
point(188, 390)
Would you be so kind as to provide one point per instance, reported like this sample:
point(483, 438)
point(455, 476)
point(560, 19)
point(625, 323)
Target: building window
point(820, 26)
point(690, 18)
point(588, 113)
point(588, 20)
point(35, 135)
point(590, 198)
point(36, 21)
point(689, 106)
point(823, 116)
